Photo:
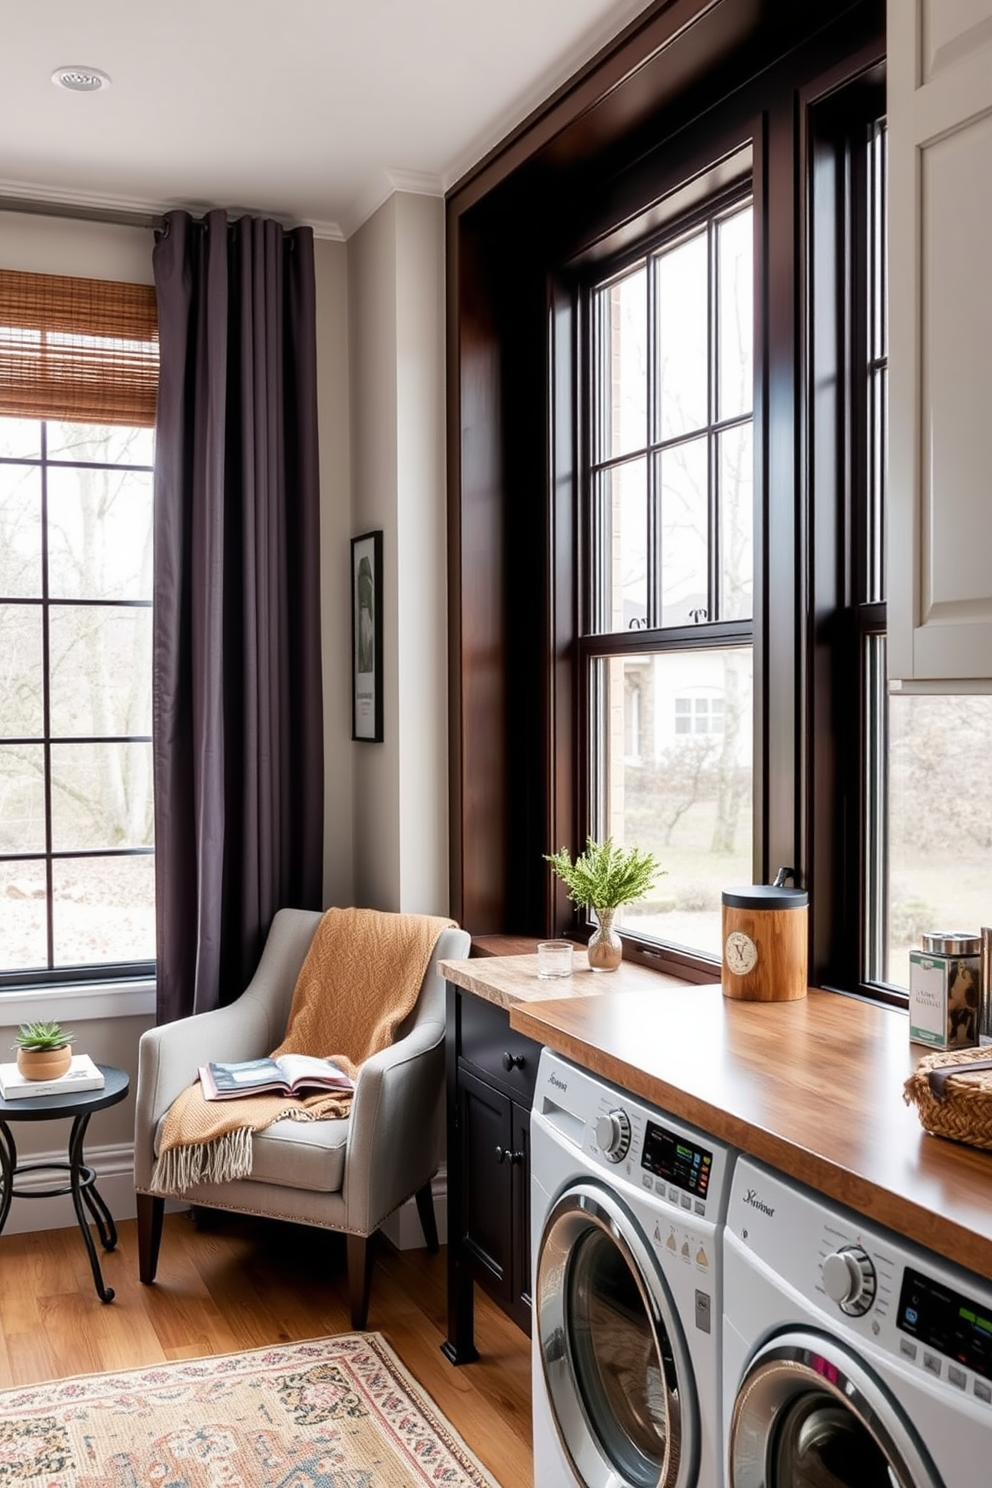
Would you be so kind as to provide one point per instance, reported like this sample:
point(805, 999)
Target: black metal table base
point(81, 1185)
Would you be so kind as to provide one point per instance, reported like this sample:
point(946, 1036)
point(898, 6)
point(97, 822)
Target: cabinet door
point(939, 84)
point(520, 1309)
point(485, 1118)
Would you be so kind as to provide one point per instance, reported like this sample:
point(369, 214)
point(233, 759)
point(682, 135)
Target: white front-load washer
point(852, 1358)
point(627, 1204)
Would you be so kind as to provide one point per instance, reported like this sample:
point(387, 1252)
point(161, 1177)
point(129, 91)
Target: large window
point(76, 830)
point(927, 806)
point(666, 649)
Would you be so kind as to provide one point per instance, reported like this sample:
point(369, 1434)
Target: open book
point(290, 1074)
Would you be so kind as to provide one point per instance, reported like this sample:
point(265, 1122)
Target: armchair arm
point(247, 1028)
point(168, 1058)
point(393, 1142)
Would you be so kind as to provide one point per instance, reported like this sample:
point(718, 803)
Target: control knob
point(613, 1135)
point(849, 1279)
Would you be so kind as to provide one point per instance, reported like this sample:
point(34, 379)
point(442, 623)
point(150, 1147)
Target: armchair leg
point(428, 1219)
point(359, 1279)
point(151, 1210)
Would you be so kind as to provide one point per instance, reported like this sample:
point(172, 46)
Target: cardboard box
point(943, 1000)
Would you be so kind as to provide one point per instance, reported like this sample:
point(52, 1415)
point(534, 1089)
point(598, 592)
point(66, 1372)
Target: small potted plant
point(604, 877)
point(44, 1050)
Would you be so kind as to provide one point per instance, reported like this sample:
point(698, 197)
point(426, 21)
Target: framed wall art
point(366, 637)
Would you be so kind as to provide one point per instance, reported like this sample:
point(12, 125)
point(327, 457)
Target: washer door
point(809, 1415)
point(615, 1363)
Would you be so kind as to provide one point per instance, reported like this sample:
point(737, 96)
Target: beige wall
point(396, 332)
point(333, 405)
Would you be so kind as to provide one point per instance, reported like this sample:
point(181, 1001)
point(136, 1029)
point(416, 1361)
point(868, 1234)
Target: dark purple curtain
point(238, 740)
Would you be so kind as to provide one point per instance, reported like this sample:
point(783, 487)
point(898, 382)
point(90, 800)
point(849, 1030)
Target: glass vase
point(605, 948)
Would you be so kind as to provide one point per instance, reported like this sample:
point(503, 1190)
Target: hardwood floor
point(230, 1283)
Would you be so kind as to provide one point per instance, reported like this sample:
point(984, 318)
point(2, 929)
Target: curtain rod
point(87, 214)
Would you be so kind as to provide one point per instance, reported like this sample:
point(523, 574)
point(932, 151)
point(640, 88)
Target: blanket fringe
point(221, 1161)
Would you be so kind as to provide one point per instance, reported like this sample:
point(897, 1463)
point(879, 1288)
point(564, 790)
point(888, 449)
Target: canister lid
point(952, 942)
point(765, 896)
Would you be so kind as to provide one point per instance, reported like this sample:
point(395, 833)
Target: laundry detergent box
point(943, 995)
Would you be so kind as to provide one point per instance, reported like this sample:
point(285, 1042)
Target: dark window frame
point(593, 644)
point(848, 739)
point(587, 174)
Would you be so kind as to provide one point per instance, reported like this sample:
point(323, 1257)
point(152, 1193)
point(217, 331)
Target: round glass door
point(809, 1415)
point(613, 1354)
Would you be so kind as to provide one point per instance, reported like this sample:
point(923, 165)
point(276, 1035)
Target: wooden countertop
point(813, 1087)
point(510, 981)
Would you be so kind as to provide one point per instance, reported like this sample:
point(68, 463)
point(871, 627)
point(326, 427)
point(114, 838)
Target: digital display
point(677, 1160)
point(945, 1320)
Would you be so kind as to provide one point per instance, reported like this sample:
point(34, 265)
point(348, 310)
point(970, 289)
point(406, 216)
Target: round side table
point(79, 1105)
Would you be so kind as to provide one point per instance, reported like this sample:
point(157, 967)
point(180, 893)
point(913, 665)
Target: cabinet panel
point(485, 1117)
point(487, 1042)
point(520, 1301)
point(957, 377)
point(488, 1165)
point(940, 313)
point(952, 30)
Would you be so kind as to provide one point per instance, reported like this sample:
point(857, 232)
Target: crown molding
point(27, 196)
point(381, 187)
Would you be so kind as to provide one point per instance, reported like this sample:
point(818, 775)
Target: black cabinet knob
point(504, 1154)
point(513, 1061)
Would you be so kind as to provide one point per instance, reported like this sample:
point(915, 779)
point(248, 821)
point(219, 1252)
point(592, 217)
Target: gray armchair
point(348, 1174)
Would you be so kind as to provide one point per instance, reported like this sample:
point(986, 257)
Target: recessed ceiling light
point(80, 79)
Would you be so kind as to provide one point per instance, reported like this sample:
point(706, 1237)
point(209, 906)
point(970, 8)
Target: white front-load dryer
point(852, 1358)
point(627, 1204)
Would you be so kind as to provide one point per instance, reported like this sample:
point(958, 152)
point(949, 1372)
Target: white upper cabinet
point(939, 85)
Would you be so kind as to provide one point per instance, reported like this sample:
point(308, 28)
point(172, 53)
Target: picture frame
point(366, 637)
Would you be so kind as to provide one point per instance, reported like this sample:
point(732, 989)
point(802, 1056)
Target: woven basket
point(965, 1111)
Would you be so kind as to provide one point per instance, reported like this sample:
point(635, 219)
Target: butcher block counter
point(812, 1087)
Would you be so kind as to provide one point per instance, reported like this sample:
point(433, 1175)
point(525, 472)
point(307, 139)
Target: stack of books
point(82, 1074)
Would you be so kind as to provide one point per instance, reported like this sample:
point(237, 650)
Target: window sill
point(79, 1003)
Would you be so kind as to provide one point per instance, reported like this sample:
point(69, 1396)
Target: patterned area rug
point(328, 1413)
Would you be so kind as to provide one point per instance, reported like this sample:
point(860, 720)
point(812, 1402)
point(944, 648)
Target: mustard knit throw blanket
point(360, 979)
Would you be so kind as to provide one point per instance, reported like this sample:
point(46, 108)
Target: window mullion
point(46, 703)
point(712, 412)
point(652, 536)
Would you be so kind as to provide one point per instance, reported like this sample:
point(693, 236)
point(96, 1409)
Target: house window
point(668, 586)
point(77, 389)
point(700, 715)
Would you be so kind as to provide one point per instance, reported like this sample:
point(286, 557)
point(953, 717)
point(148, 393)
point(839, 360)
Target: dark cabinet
point(491, 1072)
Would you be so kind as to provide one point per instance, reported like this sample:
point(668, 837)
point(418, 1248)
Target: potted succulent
point(604, 877)
point(44, 1050)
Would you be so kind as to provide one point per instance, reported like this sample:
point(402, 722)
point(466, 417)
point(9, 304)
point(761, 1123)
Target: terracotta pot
point(44, 1064)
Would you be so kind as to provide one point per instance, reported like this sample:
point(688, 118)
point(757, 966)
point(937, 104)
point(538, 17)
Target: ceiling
point(306, 110)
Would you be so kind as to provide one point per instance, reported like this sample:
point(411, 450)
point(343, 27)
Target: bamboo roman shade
point(82, 350)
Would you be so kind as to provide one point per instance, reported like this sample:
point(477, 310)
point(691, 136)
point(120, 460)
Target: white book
point(82, 1074)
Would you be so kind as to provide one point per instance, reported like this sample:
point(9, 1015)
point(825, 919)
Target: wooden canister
point(764, 943)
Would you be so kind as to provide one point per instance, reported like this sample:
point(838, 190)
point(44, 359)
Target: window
point(77, 378)
point(699, 715)
point(667, 636)
point(927, 807)
point(578, 648)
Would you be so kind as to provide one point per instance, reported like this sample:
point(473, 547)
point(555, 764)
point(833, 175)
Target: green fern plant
point(42, 1036)
point(606, 875)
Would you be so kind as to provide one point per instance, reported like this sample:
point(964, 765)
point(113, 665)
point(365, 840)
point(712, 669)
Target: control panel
point(944, 1321)
point(660, 1155)
point(860, 1277)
